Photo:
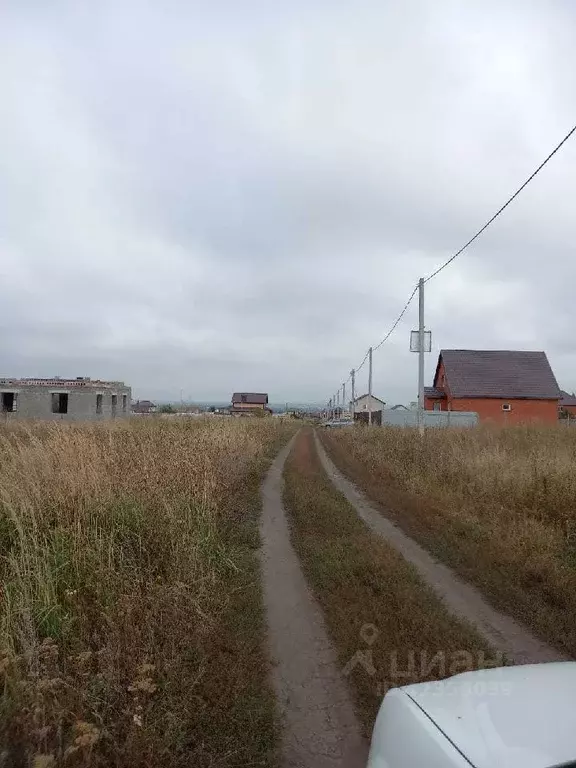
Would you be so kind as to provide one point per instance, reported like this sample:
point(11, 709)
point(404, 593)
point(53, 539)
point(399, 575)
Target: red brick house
point(567, 403)
point(506, 387)
point(248, 402)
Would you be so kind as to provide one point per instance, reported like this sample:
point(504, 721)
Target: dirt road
point(504, 634)
point(320, 729)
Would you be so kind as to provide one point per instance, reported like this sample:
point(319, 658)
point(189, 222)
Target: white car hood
point(511, 717)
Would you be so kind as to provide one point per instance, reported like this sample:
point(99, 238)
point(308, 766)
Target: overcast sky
point(231, 195)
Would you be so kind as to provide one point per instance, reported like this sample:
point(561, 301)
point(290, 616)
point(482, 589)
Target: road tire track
point(320, 728)
point(502, 632)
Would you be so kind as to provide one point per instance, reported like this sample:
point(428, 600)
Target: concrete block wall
point(35, 402)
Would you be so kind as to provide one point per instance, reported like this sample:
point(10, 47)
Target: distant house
point(143, 406)
point(501, 386)
point(399, 407)
point(362, 408)
point(248, 402)
point(567, 403)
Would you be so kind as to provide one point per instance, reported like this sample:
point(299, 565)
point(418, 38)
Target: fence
point(431, 418)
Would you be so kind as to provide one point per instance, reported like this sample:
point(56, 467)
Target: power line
point(362, 363)
point(400, 316)
point(506, 204)
point(390, 332)
point(466, 245)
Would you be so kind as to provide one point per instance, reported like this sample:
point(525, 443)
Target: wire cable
point(506, 204)
point(390, 332)
point(466, 245)
point(400, 316)
point(362, 363)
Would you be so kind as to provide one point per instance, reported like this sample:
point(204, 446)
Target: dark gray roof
point(498, 373)
point(254, 398)
point(366, 395)
point(433, 392)
point(566, 398)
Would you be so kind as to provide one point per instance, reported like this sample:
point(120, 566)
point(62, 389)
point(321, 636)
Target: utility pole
point(370, 386)
point(421, 355)
point(337, 402)
point(353, 375)
point(344, 396)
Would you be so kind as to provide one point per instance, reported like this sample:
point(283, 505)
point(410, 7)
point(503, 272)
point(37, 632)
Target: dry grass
point(496, 504)
point(131, 620)
point(388, 627)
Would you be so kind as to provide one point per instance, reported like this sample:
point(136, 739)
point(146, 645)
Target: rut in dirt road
point(502, 632)
point(320, 729)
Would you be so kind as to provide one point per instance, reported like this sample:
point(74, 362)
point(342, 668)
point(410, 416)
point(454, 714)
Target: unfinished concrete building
point(81, 399)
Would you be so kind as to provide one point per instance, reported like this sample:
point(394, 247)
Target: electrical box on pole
point(415, 341)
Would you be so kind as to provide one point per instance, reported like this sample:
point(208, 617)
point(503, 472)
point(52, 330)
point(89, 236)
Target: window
point(506, 407)
point(9, 402)
point(437, 406)
point(99, 403)
point(114, 404)
point(59, 402)
point(124, 403)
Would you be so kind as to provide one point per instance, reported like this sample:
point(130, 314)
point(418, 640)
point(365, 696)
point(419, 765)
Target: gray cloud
point(243, 195)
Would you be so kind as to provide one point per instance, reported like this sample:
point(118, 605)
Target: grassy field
point(388, 627)
point(131, 621)
point(496, 504)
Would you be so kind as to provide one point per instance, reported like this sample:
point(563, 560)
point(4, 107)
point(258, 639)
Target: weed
point(131, 621)
point(497, 504)
point(388, 626)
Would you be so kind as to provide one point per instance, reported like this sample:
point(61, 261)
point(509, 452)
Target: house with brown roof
point(143, 406)
point(567, 404)
point(248, 402)
point(507, 387)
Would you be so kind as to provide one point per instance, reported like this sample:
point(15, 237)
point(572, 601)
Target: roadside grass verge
point(495, 504)
point(387, 625)
point(131, 618)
